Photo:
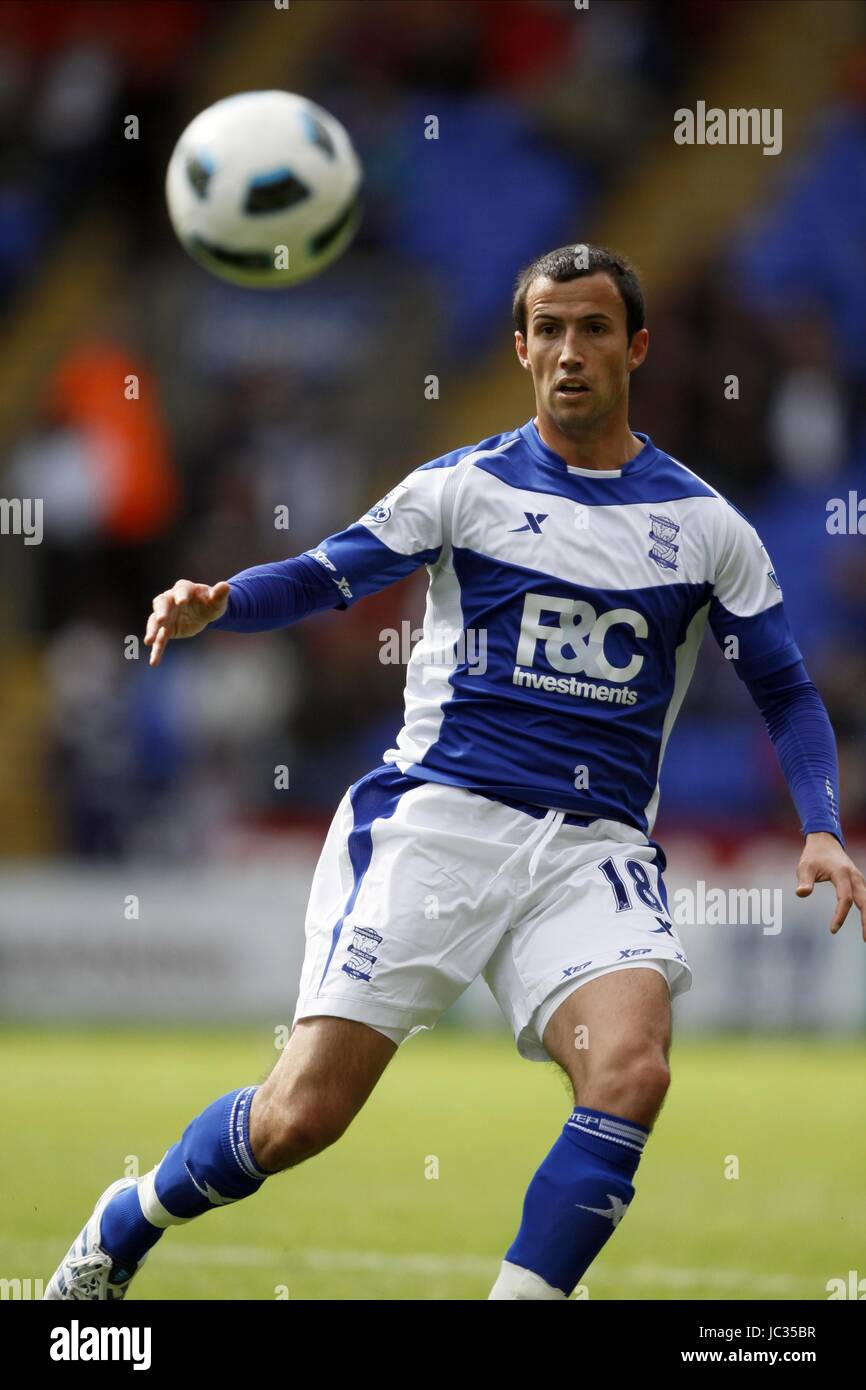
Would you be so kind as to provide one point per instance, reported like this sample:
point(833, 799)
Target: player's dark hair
point(571, 262)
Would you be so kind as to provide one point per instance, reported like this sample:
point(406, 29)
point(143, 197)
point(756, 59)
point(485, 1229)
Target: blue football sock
point(578, 1196)
point(211, 1166)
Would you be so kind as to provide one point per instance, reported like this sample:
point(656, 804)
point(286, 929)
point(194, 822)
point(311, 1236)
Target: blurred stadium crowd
point(315, 399)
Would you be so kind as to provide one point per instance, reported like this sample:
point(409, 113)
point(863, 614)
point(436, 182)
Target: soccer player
point(573, 567)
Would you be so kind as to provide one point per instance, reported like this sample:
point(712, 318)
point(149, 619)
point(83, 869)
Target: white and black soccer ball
point(263, 189)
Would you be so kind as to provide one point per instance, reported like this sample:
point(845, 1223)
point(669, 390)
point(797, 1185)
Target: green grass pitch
point(365, 1221)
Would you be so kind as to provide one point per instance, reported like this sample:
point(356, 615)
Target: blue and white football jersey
point(564, 614)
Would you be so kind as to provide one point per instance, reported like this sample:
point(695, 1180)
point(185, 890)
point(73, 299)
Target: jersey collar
point(537, 446)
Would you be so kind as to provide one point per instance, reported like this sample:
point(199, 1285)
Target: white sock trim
point(152, 1208)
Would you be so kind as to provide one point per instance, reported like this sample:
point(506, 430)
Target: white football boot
point(87, 1272)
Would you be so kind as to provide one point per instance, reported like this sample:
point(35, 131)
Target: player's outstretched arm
point(183, 611)
point(395, 537)
point(824, 860)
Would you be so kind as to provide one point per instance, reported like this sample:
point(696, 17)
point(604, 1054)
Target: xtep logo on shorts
point(575, 645)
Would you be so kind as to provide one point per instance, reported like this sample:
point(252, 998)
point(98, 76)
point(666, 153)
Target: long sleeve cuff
point(272, 596)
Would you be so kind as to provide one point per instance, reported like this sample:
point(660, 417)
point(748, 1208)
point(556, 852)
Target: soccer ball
point(262, 189)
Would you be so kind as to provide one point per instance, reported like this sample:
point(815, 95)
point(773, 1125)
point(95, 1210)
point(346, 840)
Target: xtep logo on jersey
point(575, 645)
point(342, 583)
point(533, 522)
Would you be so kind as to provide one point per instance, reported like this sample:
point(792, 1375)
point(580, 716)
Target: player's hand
point(183, 611)
point(823, 859)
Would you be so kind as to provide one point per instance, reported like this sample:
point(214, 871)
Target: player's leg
point(611, 1036)
point(404, 911)
point(392, 940)
point(322, 1079)
point(325, 1074)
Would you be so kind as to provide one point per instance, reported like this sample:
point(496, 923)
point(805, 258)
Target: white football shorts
point(421, 887)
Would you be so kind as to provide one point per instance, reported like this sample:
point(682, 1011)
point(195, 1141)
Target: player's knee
point(634, 1085)
point(284, 1136)
point(651, 1078)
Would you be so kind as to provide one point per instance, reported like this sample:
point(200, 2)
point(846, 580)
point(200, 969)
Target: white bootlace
point(88, 1275)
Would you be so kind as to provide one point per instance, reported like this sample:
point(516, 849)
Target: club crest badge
point(362, 953)
point(663, 534)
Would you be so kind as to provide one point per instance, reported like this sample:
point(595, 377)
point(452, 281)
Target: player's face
point(578, 351)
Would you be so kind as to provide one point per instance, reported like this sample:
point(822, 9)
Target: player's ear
point(520, 346)
point(637, 348)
